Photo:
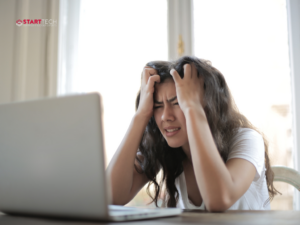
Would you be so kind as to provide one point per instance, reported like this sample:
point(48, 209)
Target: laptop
point(52, 161)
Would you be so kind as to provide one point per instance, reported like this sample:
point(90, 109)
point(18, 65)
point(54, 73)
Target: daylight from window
point(246, 40)
point(116, 41)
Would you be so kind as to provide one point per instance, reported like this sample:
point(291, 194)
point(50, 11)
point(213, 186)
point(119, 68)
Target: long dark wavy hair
point(223, 118)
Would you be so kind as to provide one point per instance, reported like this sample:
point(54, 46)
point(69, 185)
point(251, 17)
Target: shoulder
point(246, 134)
point(246, 139)
point(248, 144)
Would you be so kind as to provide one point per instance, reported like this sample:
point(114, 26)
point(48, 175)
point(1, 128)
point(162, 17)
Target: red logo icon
point(19, 22)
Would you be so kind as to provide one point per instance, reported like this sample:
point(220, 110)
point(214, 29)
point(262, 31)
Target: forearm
point(121, 167)
point(213, 178)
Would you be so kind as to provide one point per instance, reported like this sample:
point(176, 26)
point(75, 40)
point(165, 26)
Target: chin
point(174, 144)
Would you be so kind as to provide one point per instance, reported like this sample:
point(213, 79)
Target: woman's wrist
point(141, 119)
point(197, 110)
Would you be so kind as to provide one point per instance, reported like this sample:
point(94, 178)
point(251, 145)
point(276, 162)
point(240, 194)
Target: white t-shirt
point(249, 145)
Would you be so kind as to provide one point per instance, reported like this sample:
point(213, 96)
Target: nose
point(168, 114)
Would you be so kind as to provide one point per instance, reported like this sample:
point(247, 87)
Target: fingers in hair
point(175, 75)
point(147, 72)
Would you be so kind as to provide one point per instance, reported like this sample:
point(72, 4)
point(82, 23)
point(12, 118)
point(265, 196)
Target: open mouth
point(172, 131)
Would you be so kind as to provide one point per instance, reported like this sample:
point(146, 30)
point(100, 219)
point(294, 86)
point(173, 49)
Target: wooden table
point(188, 217)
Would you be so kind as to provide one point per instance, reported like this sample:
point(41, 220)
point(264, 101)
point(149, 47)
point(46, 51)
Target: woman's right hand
point(149, 77)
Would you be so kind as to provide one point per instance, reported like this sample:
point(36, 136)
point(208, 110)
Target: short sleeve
point(249, 145)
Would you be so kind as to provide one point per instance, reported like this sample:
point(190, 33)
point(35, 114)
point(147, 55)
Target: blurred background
point(102, 46)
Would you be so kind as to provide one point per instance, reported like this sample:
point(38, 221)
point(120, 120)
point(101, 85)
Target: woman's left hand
point(189, 89)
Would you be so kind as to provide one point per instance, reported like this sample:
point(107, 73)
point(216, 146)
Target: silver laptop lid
point(51, 157)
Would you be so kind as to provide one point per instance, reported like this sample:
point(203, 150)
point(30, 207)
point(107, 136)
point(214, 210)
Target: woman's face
point(168, 115)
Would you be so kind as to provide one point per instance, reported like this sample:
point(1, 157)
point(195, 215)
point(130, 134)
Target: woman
point(187, 125)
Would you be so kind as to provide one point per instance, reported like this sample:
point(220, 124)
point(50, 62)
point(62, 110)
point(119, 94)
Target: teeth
point(171, 130)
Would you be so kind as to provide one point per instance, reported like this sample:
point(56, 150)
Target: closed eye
point(156, 107)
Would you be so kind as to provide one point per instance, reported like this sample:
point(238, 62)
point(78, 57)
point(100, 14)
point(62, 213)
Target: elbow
point(119, 200)
point(118, 203)
point(218, 205)
point(216, 208)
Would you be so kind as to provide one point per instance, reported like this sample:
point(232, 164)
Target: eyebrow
point(170, 100)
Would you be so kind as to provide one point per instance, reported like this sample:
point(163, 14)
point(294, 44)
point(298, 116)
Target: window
point(116, 40)
point(248, 42)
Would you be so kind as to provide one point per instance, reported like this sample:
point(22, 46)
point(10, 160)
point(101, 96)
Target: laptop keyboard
point(124, 208)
